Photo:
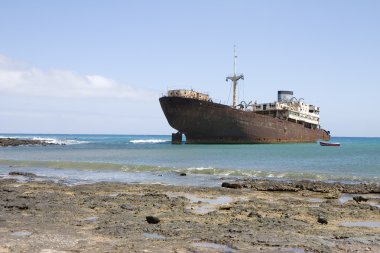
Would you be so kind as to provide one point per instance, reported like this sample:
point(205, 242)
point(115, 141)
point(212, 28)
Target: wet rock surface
point(13, 142)
point(111, 217)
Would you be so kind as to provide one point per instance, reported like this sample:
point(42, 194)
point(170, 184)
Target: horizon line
point(146, 134)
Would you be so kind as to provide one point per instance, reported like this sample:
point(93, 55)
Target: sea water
point(153, 159)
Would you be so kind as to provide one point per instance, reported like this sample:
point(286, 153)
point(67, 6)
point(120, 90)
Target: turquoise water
point(147, 158)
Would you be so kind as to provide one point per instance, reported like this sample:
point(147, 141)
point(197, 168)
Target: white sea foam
point(59, 141)
point(6, 136)
point(207, 170)
point(201, 168)
point(149, 141)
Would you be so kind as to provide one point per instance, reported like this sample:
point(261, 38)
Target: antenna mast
point(235, 78)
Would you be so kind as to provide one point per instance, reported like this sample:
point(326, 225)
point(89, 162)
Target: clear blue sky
point(100, 66)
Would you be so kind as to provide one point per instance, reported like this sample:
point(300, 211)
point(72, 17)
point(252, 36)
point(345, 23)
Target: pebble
point(322, 220)
point(152, 219)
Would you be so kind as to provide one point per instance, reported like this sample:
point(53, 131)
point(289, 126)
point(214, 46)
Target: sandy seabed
point(112, 217)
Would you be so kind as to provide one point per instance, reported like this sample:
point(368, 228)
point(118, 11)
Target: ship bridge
point(289, 108)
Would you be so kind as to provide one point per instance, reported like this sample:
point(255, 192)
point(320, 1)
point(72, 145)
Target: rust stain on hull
point(210, 123)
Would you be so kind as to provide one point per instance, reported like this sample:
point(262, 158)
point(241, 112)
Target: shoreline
point(82, 171)
point(252, 183)
point(52, 217)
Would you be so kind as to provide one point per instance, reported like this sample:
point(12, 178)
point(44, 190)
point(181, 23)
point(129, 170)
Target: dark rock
point(322, 220)
point(234, 230)
point(232, 186)
point(152, 219)
point(7, 190)
point(20, 206)
point(255, 214)
point(360, 199)
point(182, 174)
point(19, 173)
point(225, 208)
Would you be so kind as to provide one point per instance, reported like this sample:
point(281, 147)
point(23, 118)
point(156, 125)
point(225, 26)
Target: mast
point(235, 78)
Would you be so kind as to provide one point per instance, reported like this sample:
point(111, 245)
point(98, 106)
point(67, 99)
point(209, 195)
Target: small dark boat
point(333, 144)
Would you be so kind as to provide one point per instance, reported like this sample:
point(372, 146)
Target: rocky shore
point(300, 185)
point(248, 216)
point(12, 142)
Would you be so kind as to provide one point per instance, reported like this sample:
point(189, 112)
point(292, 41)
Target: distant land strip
point(13, 142)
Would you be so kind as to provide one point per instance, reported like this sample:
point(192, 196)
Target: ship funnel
point(284, 95)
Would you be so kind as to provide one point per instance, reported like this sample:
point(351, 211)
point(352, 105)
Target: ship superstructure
point(288, 108)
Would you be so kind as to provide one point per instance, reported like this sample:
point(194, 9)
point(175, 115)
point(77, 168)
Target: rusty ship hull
point(205, 122)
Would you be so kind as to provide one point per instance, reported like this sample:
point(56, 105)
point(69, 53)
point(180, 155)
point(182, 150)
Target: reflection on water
point(369, 224)
point(91, 219)
point(221, 247)
point(206, 205)
point(345, 197)
point(153, 236)
point(315, 200)
point(194, 198)
point(21, 233)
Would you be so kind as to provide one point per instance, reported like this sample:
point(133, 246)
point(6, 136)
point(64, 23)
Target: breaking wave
point(60, 141)
point(148, 141)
